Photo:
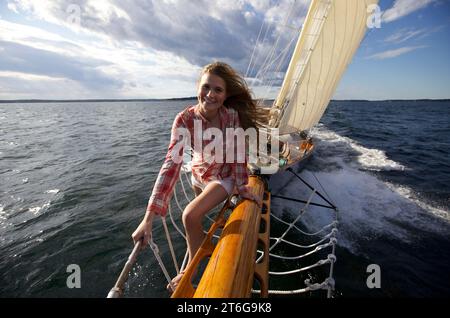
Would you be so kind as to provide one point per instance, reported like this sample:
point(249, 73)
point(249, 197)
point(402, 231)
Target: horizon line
point(33, 100)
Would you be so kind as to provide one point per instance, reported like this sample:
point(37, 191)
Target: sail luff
point(317, 82)
point(279, 101)
point(330, 45)
point(326, 48)
point(301, 94)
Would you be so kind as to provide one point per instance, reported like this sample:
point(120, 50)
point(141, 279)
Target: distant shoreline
point(3, 101)
point(183, 99)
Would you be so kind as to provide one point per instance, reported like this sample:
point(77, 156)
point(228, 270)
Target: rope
point(182, 186)
point(168, 236)
point(175, 263)
point(155, 250)
point(277, 52)
point(331, 234)
point(185, 260)
point(317, 249)
point(292, 224)
point(326, 284)
point(247, 73)
point(174, 224)
point(332, 224)
point(323, 189)
point(331, 258)
point(314, 248)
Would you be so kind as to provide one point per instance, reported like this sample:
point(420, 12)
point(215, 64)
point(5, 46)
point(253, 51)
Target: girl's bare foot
point(175, 281)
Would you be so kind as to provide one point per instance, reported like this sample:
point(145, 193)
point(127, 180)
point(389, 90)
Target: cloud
point(402, 8)
point(199, 31)
point(148, 44)
point(394, 53)
point(406, 34)
point(100, 66)
point(21, 58)
point(17, 85)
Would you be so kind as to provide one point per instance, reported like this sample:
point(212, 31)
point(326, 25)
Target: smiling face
point(211, 94)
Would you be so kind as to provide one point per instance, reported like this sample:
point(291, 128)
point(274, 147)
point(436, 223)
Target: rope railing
point(331, 234)
point(326, 284)
point(169, 240)
point(174, 223)
point(317, 249)
point(182, 185)
point(328, 260)
point(327, 240)
point(331, 225)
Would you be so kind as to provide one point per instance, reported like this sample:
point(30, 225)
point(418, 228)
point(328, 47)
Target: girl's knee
point(190, 217)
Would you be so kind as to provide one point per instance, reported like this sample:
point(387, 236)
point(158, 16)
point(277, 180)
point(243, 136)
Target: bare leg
point(194, 212)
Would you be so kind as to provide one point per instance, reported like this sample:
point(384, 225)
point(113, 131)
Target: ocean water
point(75, 179)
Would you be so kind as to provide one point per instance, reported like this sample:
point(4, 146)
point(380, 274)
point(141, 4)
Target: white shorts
point(227, 184)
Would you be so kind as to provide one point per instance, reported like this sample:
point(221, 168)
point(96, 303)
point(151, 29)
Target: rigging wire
point(278, 52)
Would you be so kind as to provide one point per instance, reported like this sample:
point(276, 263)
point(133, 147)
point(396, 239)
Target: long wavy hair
point(239, 96)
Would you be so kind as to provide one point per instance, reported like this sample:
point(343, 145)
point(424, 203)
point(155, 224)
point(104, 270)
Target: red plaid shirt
point(202, 170)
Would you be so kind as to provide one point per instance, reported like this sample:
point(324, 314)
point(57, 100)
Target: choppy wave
point(409, 194)
point(366, 158)
point(54, 191)
point(2, 214)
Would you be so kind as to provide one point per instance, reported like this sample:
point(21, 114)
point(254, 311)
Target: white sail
point(331, 34)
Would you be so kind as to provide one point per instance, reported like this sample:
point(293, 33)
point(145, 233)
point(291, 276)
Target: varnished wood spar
point(231, 268)
point(185, 288)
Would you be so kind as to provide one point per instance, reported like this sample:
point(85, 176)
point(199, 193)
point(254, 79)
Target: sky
point(107, 49)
